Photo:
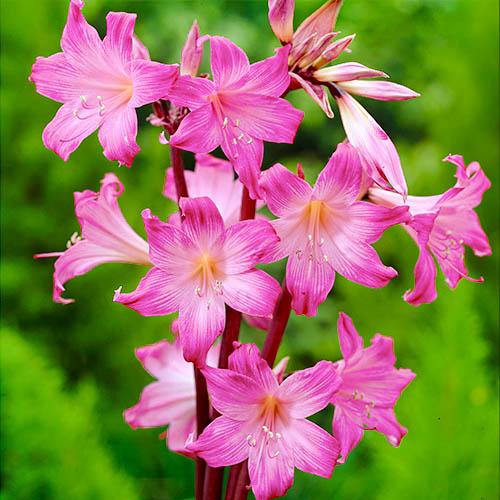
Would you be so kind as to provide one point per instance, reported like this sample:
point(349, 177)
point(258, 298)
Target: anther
point(278, 435)
point(224, 123)
point(250, 140)
point(265, 428)
point(197, 291)
point(241, 136)
point(325, 258)
point(237, 122)
point(235, 141)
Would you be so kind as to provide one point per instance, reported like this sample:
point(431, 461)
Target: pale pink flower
point(326, 229)
point(214, 178)
point(100, 83)
point(105, 237)
point(239, 110)
point(441, 225)
point(369, 391)
point(313, 46)
point(171, 398)
point(200, 267)
point(264, 420)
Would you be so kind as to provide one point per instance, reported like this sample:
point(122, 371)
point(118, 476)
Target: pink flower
point(325, 229)
point(370, 388)
point(239, 110)
point(171, 398)
point(100, 83)
point(441, 225)
point(106, 237)
point(192, 52)
point(264, 420)
point(214, 178)
point(313, 45)
point(200, 267)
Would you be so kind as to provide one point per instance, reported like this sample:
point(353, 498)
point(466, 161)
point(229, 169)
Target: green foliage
point(445, 49)
point(51, 447)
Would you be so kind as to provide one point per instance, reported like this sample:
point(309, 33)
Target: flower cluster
point(205, 262)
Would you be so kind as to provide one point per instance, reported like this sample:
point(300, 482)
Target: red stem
point(238, 479)
point(178, 167)
point(214, 475)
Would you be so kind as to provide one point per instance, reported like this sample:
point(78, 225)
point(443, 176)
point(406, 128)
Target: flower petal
point(192, 52)
point(178, 434)
point(199, 131)
point(320, 22)
point(382, 91)
point(118, 40)
point(228, 62)
point(281, 18)
point(118, 134)
point(283, 191)
point(346, 72)
point(151, 81)
point(308, 391)
point(223, 442)
point(349, 339)
point(243, 401)
point(68, 129)
point(316, 92)
point(315, 451)
point(157, 294)
point(191, 92)
point(309, 281)
point(347, 432)
point(252, 292)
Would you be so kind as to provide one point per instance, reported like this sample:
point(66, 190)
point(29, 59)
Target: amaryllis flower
point(100, 83)
point(239, 110)
point(171, 398)
point(213, 178)
point(105, 237)
point(325, 229)
point(370, 388)
point(441, 225)
point(313, 46)
point(200, 267)
point(265, 422)
point(192, 52)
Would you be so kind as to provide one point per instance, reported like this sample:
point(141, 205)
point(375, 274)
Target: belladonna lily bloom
point(171, 398)
point(369, 390)
point(325, 229)
point(264, 421)
point(100, 83)
point(314, 45)
point(441, 226)
point(105, 237)
point(200, 267)
point(239, 110)
point(213, 178)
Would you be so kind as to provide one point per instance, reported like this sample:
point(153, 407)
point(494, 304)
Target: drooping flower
point(200, 267)
point(105, 237)
point(325, 229)
point(171, 398)
point(264, 420)
point(239, 110)
point(213, 178)
point(313, 46)
point(370, 388)
point(441, 226)
point(100, 83)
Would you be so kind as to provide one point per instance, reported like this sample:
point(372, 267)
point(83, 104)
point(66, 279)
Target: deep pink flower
point(265, 422)
point(239, 110)
point(369, 391)
point(200, 267)
point(214, 178)
point(313, 46)
point(106, 237)
point(325, 229)
point(100, 83)
point(441, 225)
point(171, 398)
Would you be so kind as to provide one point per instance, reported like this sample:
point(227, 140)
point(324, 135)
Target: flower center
point(314, 218)
point(207, 272)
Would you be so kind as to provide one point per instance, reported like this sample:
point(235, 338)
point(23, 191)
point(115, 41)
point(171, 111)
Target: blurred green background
point(69, 371)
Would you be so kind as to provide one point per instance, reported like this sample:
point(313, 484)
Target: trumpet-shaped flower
point(171, 398)
point(264, 420)
point(325, 229)
point(239, 110)
point(313, 46)
point(200, 267)
point(213, 178)
point(100, 83)
point(105, 237)
point(370, 388)
point(442, 225)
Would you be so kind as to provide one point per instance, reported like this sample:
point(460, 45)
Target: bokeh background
point(69, 371)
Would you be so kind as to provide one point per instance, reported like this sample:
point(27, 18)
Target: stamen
point(240, 136)
point(235, 142)
point(250, 140)
point(224, 123)
point(197, 291)
point(237, 122)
